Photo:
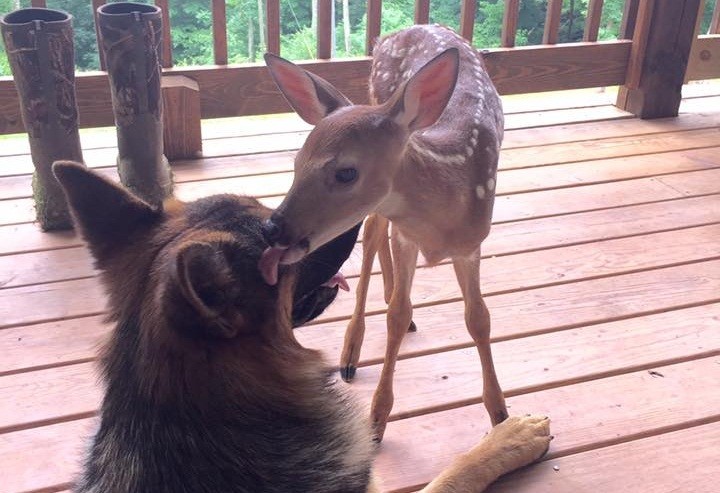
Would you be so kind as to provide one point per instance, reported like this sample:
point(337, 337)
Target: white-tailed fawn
point(423, 156)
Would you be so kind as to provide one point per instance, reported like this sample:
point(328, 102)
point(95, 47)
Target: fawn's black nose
point(272, 229)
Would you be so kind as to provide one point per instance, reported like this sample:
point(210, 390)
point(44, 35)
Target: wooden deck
point(602, 274)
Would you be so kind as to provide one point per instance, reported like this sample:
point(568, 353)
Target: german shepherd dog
point(206, 388)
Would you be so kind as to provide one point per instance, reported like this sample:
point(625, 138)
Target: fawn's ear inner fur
point(311, 96)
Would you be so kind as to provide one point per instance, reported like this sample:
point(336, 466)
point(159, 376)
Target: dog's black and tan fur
point(206, 388)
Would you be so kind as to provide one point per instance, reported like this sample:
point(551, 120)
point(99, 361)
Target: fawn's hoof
point(413, 327)
point(347, 373)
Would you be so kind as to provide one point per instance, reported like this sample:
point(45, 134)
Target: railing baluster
point(639, 45)
point(272, 18)
point(219, 32)
point(552, 22)
point(167, 58)
point(592, 22)
point(38, 4)
point(374, 13)
point(422, 11)
point(630, 13)
point(510, 21)
point(467, 18)
point(715, 22)
point(101, 53)
point(324, 29)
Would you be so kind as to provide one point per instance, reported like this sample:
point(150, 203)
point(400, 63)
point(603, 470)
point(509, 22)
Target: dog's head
point(193, 265)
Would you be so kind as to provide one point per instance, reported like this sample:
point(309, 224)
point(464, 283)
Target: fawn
point(423, 156)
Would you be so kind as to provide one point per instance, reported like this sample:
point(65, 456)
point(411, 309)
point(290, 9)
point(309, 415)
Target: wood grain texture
point(17, 185)
point(374, 19)
point(515, 315)
point(54, 265)
point(604, 270)
point(468, 9)
point(715, 20)
point(510, 21)
point(249, 90)
point(182, 132)
point(629, 19)
point(592, 21)
point(704, 60)
point(324, 29)
point(647, 465)
point(101, 53)
point(219, 32)
point(422, 11)
point(552, 22)
point(47, 302)
point(26, 237)
point(272, 18)
point(508, 207)
point(608, 411)
point(167, 52)
point(530, 364)
point(656, 72)
point(572, 65)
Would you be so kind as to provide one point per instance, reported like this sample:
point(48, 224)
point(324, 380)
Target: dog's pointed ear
point(205, 280)
point(311, 96)
point(107, 214)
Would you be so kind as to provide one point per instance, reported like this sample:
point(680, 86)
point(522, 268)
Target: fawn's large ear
point(205, 280)
point(312, 97)
point(107, 214)
point(423, 98)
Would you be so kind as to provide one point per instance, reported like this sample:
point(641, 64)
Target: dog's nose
point(272, 229)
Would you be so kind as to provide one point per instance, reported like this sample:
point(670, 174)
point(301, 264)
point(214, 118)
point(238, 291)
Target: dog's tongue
point(268, 264)
point(338, 280)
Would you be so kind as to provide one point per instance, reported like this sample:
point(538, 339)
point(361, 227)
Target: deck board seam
point(446, 406)
point(452, 299)
point(377, 272)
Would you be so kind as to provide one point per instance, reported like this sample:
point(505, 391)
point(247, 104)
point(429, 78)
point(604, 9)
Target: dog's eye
point(346, 175)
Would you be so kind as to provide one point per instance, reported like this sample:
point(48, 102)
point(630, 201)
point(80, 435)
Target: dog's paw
point(519, 441)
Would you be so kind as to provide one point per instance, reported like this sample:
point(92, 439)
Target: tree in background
point(191, 22)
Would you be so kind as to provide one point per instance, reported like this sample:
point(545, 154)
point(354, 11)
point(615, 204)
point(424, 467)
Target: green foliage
point(191, 22)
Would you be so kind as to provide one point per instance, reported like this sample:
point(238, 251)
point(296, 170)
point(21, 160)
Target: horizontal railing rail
point(246, 89)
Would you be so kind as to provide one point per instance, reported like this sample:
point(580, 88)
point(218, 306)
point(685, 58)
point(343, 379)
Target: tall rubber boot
point(39, 45)
point(131, 35)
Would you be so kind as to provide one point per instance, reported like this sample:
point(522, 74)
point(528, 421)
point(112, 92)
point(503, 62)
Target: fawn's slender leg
point(387, 269)
point(477, 320)
point(404, 254)
point(375, 232)
point(386, 262)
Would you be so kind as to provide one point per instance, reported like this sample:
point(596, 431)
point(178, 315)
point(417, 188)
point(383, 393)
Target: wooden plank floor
point(602, 274)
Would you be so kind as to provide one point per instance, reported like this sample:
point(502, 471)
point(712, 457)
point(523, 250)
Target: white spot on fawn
point(480, 192)
point(491, 184)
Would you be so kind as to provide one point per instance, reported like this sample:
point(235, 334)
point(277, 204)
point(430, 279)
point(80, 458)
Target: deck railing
point(246, 89)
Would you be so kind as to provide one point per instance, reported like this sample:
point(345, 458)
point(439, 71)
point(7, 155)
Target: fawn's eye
point(346, 175)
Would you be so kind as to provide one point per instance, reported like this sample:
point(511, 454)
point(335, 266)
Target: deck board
point(603, 264)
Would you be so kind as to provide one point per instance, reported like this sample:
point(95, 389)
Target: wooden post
point(182, 135)
point(510, 22)
point(374, 13)
point(467, 19)
point(661, 47)
point(422, 11)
